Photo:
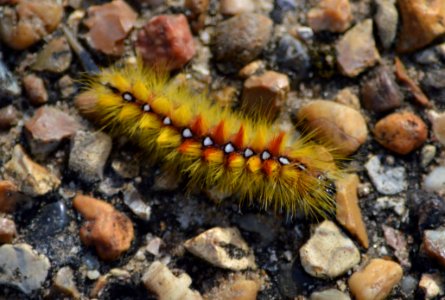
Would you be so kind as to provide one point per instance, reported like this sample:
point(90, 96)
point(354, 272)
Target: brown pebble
point(356, 50)
point(396, 240)
point(108, 230)
point(348, 213)
point(422, 22)
point(109, 25)
point(380, 93)
point(66, 86)
point(64, 284)
point(47, 128)
point(330, 15)
point(8, 117)
point(401, 132)
point(29, 21)
point(376, 280)
point(198, 9)
point(9, 196)
point(347, 97)
point(438, 122)
point(236, 287)
point(166, 39)
point(264, 95)
point(35, 89)
point(235, 7)
point(54, 57)
point(7, 230)
point(434, 244)
point(337, 124)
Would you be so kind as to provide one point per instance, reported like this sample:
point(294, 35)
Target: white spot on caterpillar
point(128, 97)
point(228, 148)
point(265, 155)
point(248, 153)
point(284, 160)
point(207, 142)
point(187, 133)
point(167, 121)
point(146, 107)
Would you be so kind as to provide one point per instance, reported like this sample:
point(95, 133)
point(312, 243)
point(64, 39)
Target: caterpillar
point(211, 146)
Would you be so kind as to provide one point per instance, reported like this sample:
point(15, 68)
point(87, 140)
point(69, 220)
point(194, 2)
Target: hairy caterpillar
point(211, 146)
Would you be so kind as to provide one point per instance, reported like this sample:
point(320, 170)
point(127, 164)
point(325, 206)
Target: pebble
point(29, 21)
point(330, 15)
point(329, 294)
point(427, 154)
point(380, 93)
point(9, 196)
point(438, 122)
point(253, 68)
point(7, 230)
point(108, 230)
point(35, 89)
point(8, 83)
point(396, 240)
point(48, 128)
point(435, 180)
point(67, 86)
point(8, 117)
point(109, 24)
point(348, 213)
point(89, 154)
point(397, 204)
point(432, 285)
point(22, 267)
point(387, 180)
point(434, 243)
point(347, 97)
point(198, 12)
point(127, 167)
point(434, 84)
point(236, 287)
point(292, 57)
point(386, 19)
point(55, 56)
point(265, 94)
point(401, 132)
point(253, 32)
point(356, 50)
point(222, 247)
point(342, 126)
point(264, 227)
point(50, 220)
point(136, 203)
point(402, 76)
point(236, 7)
point(63, 283)
point(328, 253)
point(166, 39)
point(161, 281)
point(30, 177)
point(422, 22)
point(376, 280)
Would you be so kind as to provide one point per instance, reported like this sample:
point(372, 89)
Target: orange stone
point(330, 15)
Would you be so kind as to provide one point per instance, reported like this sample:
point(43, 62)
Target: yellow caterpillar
point(211, 146)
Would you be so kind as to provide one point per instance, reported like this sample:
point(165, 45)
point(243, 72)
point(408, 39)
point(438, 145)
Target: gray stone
point(387, 180)
point(134, 201)
point(386, 19)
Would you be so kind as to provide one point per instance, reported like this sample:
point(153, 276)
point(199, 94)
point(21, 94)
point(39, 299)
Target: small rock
point(236, 287)
point(264, 95)
point(253, 32)
point(292, 57)
point(328, 253)
point(8, 117)
point(266, 228)
point(134, 201)
point(397, 241)
point(198, 10)
point(48, 128)
point(89, 153)
point(380, 93)
point(30, 177)
point(127, 167)
point(51, 219)
point(108, 230)
point(376, 280)
point(66, 86)
point(429, 56)
point(347, 97)
point(22, 267)
point(35, 89)
point(161, 281)
point(356, 50)
point(397, 204)
point(427, 154)
point(408, 285)
point(401, 132)
point(330, 294)
point(330, 15)
point(386, 19)
point(222, 247)
point(348, 212)
point(335, 123)
point(434, 243)
point(435, 180)
point(9, 196)
point(54, 57)
point(166, 39)
point(402, 76)
point(236, 7)
point(29, 21)
point(93, 274)
point(434, 84)
point(387, 180)
point(153, 244)
point(109, 25)
point(64, 283)
point(438, 121)
point(251, 69)
point(281, 9)
point(422, 22)
point(432, 285)
point(8, 83)
point(7, 231)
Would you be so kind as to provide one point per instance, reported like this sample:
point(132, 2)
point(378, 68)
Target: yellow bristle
point(162, 105)
point(140, 91)
point(120, 82)
point(168, 137)
point(254, 164)
point(182, 116)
